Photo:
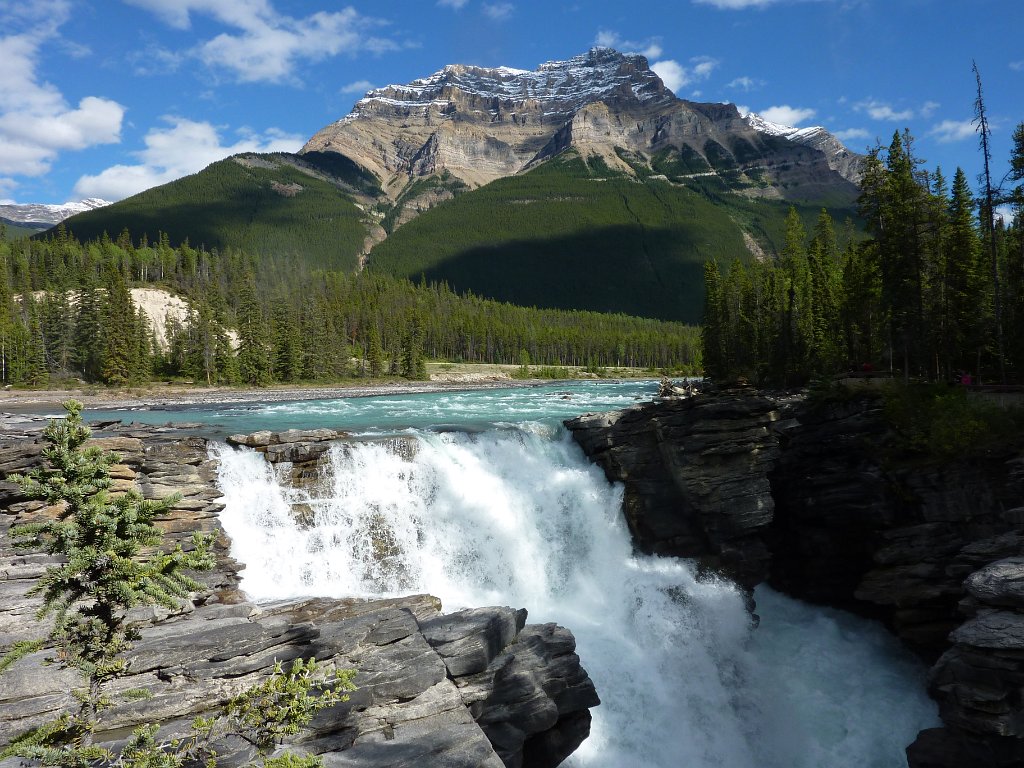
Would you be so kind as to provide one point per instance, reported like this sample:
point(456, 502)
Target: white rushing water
point(519, 517)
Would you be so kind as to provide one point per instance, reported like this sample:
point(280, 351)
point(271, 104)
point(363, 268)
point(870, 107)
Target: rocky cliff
point(481, 124)
point(807, 497)
point(479, 687)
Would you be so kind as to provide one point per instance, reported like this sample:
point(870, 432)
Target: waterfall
point(519, 517)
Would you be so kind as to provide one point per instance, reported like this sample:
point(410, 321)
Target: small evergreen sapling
point(99, 538)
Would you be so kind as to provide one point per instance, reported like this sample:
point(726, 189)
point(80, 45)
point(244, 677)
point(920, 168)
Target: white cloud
point(676, 76)
point(650, 48)
point(267, 45)
point(498, 11)
point(743, 109)
point(1005, 212)
point(703, 66)
point(952, 130)
point(852, 134)
point(359, 86)
point(36, 122)
point(739, 5)
point(186, 146)
point(154, 60)
point(787, 115)
point(928, 108)
point(879, 110)
point(1017, 66)
point(745, 83)
point(455, 4)
point(672, 74)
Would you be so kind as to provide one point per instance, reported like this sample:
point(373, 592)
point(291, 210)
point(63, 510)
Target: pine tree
point(375, 353)
point(254, 361)
point(89, 333)
point(120, 340)
point(823, 265)
point(36, 371)
point(413, 362)
point(287, 344)
point(965, 281)
point(713, 327)
point(101, 577)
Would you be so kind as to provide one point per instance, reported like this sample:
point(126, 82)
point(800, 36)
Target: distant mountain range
point(584, 183)
point(40, 216)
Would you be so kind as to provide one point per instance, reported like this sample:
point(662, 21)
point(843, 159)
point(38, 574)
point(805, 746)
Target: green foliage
point(917, 297)
point(289, 760)
point(573, 234)
point(940, 421)
point(287, 701)
point(262, 204)
point(98, 539)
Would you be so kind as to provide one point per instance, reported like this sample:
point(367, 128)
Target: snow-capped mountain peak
point(562, 87)
point(46, 213)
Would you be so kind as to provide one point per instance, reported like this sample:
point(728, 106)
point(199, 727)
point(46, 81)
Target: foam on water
point(519, 517)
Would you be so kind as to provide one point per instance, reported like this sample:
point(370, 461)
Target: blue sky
point(104, 98)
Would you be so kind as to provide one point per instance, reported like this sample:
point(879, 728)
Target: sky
point(106, 98)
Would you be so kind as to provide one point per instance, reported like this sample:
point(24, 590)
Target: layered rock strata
point(479, 124)
point(818, 500)
point(474, 688)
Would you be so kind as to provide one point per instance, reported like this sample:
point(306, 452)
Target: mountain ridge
point(582, 184)
point(483, 123)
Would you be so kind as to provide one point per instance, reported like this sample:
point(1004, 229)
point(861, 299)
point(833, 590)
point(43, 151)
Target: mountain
point(585, 184)
point(482, 124)
point(40, 216)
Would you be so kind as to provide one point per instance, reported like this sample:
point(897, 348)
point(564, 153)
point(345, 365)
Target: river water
point(483, 499)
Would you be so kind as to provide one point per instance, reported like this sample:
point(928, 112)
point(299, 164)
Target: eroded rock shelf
point(479, 687)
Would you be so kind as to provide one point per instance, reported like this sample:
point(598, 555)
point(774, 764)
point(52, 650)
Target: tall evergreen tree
point(120, 340)
point(254, 361)
point(89, 331)
point(968, 308)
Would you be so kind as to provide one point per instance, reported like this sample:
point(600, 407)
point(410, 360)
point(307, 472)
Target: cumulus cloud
point(183, 147)
point(359, 86)
point(266, 45)
point(498, 11)
point(787, 115)
point(952, 130)
point(36, 122)
point(745, 83)
point(650, 47)
point(852, 134)
point(880, 110)
point(676, 76)
point(739, 5)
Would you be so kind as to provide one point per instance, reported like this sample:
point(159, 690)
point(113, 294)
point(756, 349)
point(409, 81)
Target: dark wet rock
point(695, 472)
point(814, 497)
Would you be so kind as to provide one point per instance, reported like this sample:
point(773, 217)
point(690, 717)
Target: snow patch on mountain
point(564, 85)
point(43, 213)
point(758, 123)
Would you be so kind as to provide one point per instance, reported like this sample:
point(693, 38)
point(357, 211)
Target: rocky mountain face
point(45, 215)
point(479, 687)
point(482, 124)
point(769, 488)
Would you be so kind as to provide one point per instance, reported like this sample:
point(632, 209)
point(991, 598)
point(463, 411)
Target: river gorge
point(485, 499)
